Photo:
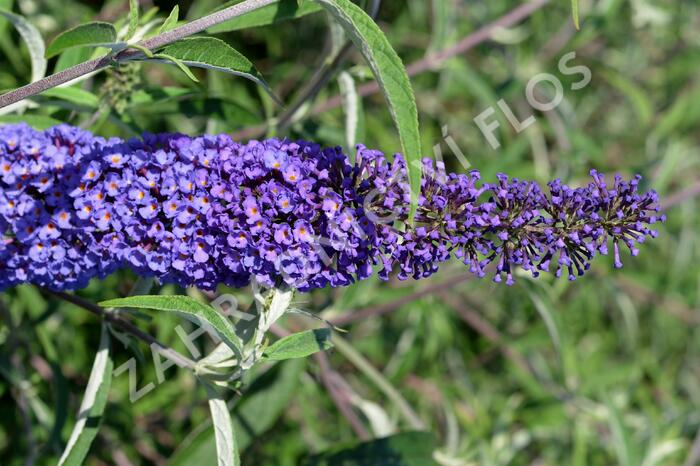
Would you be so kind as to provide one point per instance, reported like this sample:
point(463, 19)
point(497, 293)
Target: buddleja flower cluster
point(206, 210)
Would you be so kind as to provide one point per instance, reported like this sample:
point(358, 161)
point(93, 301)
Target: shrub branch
point(152, 43)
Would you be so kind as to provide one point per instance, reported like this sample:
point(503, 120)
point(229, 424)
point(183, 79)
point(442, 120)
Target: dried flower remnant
point(206, 210)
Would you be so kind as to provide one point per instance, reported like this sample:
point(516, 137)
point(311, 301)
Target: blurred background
point(601, 371)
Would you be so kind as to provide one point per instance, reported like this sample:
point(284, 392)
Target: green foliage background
point(602, 371)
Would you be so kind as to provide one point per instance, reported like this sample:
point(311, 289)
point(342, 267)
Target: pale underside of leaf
point(265, 400)
point(352, 106)
point(226, 447)
point(35, 44)
point(31, 36)
point(92, 406)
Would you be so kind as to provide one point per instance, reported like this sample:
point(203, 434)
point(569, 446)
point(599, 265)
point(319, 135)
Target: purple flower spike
point(206, 210)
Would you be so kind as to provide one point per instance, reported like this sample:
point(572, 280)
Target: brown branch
point(669, 305)
point(681, 196)
point(335, 385)
point(481, 326)
point(153, 43)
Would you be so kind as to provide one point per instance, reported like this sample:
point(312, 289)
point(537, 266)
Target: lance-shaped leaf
point(133, 18)
point(299, 345)
point(35, 43)
point(215, 54)
point(171, 21)
point(186, 308)
point(391, 75)
point(226, 446)
point(92, 407)
point(574, 13)
point(270, 14)
point(95, 34)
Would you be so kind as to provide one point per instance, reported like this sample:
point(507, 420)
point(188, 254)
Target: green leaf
point(392, 78)
point(187, 308)
point(184, 68)
point(171, 21)
point(353, 109)
point(299, 345)
point(270, 14)
point(405, 449)
point(146, 18)
point(133, 18)
point(74, 95)
point(226, 447)
point(574, 13)
point(215, 54)
point(95, 34)
point(35, 121)
point(35, 43)
point(93, 405)
point(5, 5)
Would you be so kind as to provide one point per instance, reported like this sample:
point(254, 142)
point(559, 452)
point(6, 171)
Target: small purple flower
point(292, 174)
point(139, 195)
point(92, 172)
point(149, 211)
point(332, 204)
point(238, 239)
point(252, 210)
point(201, 251)
point(303, 232)
point(285, 203)
point(276, 160)
point(116, 159)
point(283, 234)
